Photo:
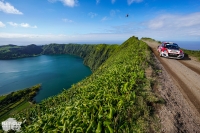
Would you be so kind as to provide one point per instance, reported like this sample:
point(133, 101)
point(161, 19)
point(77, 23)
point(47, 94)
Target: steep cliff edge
point(93, 55)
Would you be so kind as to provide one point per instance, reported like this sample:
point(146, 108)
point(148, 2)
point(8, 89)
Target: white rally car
point(170, 50)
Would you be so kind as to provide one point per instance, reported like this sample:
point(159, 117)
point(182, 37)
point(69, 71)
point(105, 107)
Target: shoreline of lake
point(50, 70)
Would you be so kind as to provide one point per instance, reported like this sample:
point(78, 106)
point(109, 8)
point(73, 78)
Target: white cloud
point(175, 21)
point(131, 1)
point(113, 12)
point(24, 25)
point(173, 27)
point(113, 1)
point(153, 25)
point(104, 18)
point(2, 24)
point(97, 1)
point(92, 14)
point(34, 27)
point(67, 20)
point(13, 24)
point(8, 8)
point(16, 35)
point(52, 1)
point(24, 39)
point(164, 27)
point(70, 3)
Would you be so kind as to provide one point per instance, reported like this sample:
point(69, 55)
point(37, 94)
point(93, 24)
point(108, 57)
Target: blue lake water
point(54, 72)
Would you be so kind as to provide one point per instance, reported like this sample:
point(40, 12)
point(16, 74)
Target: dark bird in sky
point(127, 15)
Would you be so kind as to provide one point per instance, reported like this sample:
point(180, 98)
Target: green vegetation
point(117, 97)
point(194, 53)
point(13, 51)
point(15, 102)
point(93, 55)
point(2, 97)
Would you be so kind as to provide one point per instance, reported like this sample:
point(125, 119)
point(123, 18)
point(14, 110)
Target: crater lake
point(54, 72)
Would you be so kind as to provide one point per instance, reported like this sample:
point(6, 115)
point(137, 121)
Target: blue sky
point(23, 22)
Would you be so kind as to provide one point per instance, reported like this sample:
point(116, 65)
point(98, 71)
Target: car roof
point(172, 43)
point(167, 42)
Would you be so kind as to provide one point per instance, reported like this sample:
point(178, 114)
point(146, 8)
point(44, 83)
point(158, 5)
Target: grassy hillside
point(117, 97)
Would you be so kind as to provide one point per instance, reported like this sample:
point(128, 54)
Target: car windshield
point(172, 46)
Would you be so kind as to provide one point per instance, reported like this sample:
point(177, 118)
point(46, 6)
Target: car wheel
point(160, 54)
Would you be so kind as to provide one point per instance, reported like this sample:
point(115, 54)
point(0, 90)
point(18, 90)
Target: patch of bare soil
point(179, 85)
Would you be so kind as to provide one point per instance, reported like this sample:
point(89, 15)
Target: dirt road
point(179, 85)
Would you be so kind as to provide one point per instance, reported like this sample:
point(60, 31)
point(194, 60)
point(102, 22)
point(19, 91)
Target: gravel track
point(179, 85)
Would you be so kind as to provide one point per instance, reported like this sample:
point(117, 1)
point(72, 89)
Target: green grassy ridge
point(117, 97)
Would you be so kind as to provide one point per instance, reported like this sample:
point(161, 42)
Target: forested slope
point(117, 97)
point(93, 55)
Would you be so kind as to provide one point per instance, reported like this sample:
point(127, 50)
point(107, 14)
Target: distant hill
point(13, 51)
